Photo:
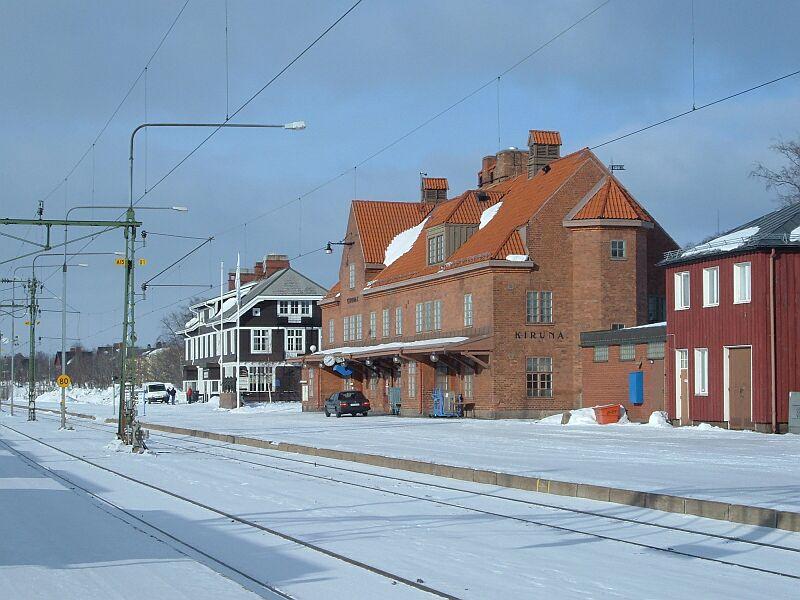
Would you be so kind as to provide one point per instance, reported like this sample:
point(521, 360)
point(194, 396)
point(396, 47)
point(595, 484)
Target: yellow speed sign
point(63, 381)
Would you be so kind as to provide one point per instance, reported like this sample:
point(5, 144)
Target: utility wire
point(168, 267)
point(121, 102)
point(696, 109)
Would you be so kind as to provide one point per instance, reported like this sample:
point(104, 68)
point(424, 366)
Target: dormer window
point(436, 249)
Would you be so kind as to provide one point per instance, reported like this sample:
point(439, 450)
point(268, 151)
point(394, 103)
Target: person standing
point(172, 391)
point(189, 395)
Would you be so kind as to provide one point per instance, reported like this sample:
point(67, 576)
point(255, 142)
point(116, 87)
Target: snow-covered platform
point(702, 462)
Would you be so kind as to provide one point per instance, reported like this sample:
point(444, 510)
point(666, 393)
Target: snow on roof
point(489, 214)
point(724, 243)
point(393, 346)
point(517, 257)
point(661, 324)
point(794, 234)
point(402, 242)
point(192, 322)
point(227, 305)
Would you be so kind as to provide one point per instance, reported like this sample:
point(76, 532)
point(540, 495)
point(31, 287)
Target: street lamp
point(329, 249)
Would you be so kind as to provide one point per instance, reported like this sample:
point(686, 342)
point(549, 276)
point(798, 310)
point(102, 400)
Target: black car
point(351, 402)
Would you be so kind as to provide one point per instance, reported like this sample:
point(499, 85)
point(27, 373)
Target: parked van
point(155, 391)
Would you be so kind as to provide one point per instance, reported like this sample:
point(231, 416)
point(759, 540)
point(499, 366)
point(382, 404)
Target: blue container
point(636, 388)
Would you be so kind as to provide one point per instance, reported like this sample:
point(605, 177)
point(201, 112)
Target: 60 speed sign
point(63, 381)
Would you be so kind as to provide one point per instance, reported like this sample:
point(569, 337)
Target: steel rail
point(497, 497)
point(290, 538)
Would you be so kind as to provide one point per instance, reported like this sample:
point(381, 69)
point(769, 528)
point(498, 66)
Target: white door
point(682, 385)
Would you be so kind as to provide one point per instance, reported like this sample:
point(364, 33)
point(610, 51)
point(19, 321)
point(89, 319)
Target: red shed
point(732, 327)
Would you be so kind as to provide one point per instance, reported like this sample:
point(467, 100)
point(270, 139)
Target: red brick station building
point(484, 296)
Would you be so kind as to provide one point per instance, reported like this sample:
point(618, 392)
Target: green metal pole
point(123, 350)
point(34, 310)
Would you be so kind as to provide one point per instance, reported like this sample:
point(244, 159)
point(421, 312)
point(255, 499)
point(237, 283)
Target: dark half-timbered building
point(275, 319)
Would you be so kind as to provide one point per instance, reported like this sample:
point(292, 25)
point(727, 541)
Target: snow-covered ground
point(62, 544)
point(703, 462)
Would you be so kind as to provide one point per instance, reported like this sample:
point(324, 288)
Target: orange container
point(606, 414)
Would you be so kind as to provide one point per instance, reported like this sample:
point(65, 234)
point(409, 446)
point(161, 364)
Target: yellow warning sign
point(120, 262)
point(63, 381)
point(142, 262)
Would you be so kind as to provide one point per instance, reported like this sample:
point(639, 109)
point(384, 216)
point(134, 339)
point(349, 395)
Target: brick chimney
point(506, 164)
point(433, 189)
point(272, 263)
point(544, 147)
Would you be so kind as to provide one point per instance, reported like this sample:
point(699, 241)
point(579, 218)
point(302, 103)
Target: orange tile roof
point(521, 198)
point(378, 223)
point(434, 183)
point(612, 201)
point(333, 291)
point(540, 136)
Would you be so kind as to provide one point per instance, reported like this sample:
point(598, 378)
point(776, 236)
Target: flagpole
point(238, 321)
point(221, 325)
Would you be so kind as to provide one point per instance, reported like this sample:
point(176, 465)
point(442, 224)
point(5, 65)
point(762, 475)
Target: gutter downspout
point(773, 367)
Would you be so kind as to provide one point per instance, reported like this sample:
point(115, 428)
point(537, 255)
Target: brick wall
point(607, 382)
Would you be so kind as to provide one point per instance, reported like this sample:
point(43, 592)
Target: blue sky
point(386, 68)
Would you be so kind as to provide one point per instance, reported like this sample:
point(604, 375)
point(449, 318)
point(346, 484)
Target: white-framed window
point(539, 377)
point(373, 325)
point(418, 320)
point(467, 310)
point(259, 378)
point(437, 315)
point(711, 286)
point(411, 376)
point(260, 341)
point(295, 340)
point(601, 354)
point(469, 381)
point(655, 350)
point(331, 331)
point(352, 276)
point(346, 329)
point(539, 307)
point(682, 290)
point(741, 283)
point(627, 352)
point(616, 326)
point(357, 327)
point(618, 249)
point(398, 320)
point(294, 308)
point(386, 322)
point(701, 371)
point(256, 311)
point(435, 249)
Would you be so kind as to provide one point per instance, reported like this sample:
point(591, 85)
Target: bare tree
point(786, 180)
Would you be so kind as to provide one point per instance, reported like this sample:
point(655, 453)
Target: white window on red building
point(540, 377)
point(701, 371)
point(467, 310)
point(627, 352)
point(411, 376)
point(373, 325)
point(711, 286)
point(352, 275)
point(539, 307)
point(331, 331)
point(682, 290)
point(386, 323)
point(398, 320)
point(741, 283)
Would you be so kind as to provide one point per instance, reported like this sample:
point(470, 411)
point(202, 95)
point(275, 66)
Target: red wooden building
point(732, 327)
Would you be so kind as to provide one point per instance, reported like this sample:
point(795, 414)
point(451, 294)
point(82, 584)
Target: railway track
point(200, 447)
point(243, 521)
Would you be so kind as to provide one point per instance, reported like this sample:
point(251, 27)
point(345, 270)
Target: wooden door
point(740, 390)
point(682, 386)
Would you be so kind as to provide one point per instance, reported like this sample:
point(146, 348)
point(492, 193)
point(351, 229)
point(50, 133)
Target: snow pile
point(517, 257)
point(116, 446)
point(551, 420)
point(724, 243)
point(402, 242)
point(489, 214)
point(658, 419)
point(708, 427)
point(582, 416)
point(268, 407)
point(80, 395)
